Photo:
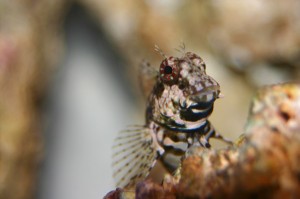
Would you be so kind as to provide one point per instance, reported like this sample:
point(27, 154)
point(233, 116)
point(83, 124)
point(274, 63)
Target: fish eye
point(169, 71)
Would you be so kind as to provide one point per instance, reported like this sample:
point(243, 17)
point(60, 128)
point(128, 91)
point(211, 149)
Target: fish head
point(184, 94)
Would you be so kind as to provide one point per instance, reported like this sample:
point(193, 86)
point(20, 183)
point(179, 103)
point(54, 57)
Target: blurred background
point(69, 81)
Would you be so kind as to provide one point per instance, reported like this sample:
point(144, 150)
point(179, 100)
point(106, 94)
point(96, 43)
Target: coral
point(264, 163)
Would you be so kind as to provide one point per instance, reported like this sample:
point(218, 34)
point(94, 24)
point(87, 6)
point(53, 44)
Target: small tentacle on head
point(157, 49)
point(181, 48)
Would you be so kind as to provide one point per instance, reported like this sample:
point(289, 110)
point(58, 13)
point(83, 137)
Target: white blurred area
point(89, 103)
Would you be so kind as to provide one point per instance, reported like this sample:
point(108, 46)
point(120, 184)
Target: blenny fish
point(176, 119)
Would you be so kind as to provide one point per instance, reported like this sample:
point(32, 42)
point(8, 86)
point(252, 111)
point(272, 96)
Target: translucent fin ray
point(134, 156)
point(131, 148)
point(119, 144)
point(147, 77)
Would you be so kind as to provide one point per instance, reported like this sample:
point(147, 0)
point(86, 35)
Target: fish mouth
point(200, 105)
point(202, 99)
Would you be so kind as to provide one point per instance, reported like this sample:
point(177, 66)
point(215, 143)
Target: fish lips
point(200, 105)
point(204, 98)
point(197, 111)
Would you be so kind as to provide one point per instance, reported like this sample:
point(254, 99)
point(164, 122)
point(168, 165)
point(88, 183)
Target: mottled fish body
point(176, 119)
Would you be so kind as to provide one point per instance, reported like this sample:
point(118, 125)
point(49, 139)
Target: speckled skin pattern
point(176, 120)
point(191, 88)
point(179, 106)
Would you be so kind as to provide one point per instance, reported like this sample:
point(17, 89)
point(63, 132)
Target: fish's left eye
point(169, 71)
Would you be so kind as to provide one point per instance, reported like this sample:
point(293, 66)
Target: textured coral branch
point(265, 164)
